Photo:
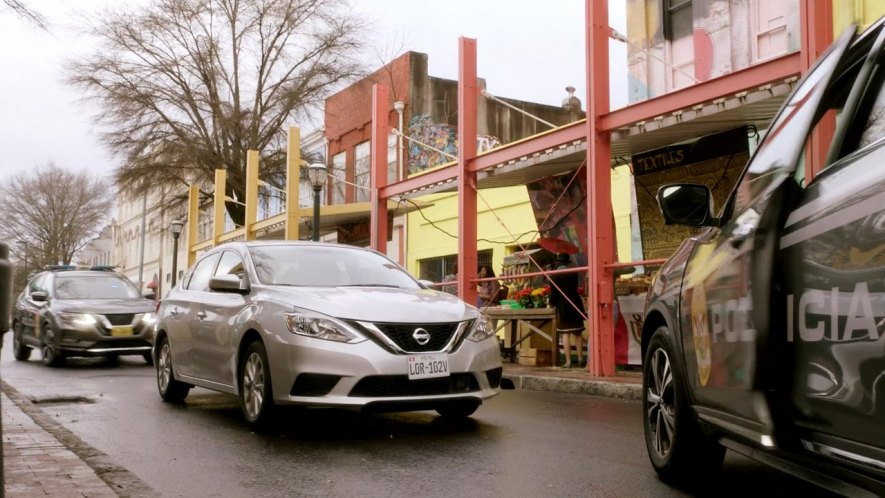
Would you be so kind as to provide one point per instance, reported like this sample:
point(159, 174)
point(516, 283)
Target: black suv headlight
point(77, 320)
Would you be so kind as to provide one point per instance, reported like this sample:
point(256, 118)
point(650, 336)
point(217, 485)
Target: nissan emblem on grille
point(421, 336)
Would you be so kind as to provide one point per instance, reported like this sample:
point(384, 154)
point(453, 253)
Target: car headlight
point(149, 319)
point(77, 320)
point(319, 326)
point(482, 329)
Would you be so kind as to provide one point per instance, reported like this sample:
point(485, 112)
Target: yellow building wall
point(516, 226)
point(860, 12)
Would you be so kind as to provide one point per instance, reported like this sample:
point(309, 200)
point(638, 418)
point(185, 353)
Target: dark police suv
point(765, 332)
point(66, 311)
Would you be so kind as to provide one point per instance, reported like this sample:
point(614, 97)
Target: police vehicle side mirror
point(39, 297)
point(687, 204)
point(427, 284)
point(150, 295)
point(229, 283)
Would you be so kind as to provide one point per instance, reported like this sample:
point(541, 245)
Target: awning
point(519, 258)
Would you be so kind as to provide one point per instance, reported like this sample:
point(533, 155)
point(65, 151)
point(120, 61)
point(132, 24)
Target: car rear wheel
point(52, 357)
point(19, 350)
point(461, 409)
point(256, 394)
point(678, 450)
point(171, 390)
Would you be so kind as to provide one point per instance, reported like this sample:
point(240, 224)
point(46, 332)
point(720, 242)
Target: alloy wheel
point(164, 370)
point(253, 385)
point(660, 403)
point(47, 349)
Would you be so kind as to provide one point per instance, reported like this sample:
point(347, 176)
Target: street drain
point(61, 400)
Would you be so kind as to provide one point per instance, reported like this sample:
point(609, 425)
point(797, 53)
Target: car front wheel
point(171, 390)
point(678, 450)
point(256, 394)
point(19, 350)
point(52, 357)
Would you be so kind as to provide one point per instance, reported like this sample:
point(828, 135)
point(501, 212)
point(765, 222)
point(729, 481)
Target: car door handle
point(201, 315)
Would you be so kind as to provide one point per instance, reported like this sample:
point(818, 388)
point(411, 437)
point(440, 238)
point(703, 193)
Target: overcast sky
point(526, 50)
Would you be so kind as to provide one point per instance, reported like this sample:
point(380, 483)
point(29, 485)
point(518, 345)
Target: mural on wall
point(560, 209)
point(715, 161)
point(440, 136)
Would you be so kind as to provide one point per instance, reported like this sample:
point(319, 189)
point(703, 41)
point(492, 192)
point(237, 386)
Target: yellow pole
point(218, 213)
point(293, 182)
point(193, 222)
point(252, 164)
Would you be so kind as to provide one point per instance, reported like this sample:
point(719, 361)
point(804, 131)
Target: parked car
point(322, 325)
point(764, 333)
point(65, 311)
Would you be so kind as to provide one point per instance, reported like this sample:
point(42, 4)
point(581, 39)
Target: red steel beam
point(380, 130)
point(467, 111)
point(752, 77)
point(599, 209)
point(816, 33)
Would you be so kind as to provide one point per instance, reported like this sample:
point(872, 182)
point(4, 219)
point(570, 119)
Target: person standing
point(451, 277)
point(569, 306)
point(488, 291)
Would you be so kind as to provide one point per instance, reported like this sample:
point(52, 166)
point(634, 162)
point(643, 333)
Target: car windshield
point(94, 287)
point(326, 266)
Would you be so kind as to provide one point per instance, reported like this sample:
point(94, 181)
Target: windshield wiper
point(371, 285)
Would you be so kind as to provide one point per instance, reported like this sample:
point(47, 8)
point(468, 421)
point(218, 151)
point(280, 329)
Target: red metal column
point(380, 130)
point(467, 96)
point(816, 26)
point(599, 207)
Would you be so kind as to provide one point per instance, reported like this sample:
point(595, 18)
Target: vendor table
point(532, 318)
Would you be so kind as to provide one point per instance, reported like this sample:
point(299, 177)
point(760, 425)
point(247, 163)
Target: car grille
point(120, 319)
point(384, 386)
point(308, 384)
point(402, 335)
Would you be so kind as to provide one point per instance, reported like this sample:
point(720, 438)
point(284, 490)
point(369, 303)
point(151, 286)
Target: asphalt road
point(521, 443)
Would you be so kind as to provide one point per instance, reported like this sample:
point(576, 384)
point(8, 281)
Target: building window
point(362, 161)
point(434, 269)
point(336, 177)
point(768, 20)
point(678, 31)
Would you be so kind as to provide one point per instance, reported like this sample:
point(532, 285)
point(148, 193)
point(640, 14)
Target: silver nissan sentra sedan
point(325, 325)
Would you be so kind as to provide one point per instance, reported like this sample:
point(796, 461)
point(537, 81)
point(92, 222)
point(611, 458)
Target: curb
point(593, 387)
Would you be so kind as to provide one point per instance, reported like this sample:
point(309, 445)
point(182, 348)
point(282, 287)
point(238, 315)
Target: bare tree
point(22, 10)
point(188, 86)
point(48, 214)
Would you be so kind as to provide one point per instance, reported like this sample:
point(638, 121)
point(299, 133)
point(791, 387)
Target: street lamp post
point(317, 172)
point(175, 227)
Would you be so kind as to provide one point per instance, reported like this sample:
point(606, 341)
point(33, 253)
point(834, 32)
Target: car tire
point(256, 393)
point(171, 390)
point(148, 358)
point(461, 409)
point(679, 451)
point(19, 350)
point(52, 357)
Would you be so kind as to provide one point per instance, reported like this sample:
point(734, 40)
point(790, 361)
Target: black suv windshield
point(94, 287)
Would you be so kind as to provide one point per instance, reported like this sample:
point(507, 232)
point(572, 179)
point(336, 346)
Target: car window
point(94, 287)
point(37, 284)
point(784, 142)
point(230, 264)
point(203, 270)
point(875, 123)
point(326, 266)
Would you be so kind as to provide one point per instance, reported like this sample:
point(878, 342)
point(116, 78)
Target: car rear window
point(94, 287)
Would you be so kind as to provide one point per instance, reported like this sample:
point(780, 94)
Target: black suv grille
point(388, 386)
point(120, 319)
point(402, 335)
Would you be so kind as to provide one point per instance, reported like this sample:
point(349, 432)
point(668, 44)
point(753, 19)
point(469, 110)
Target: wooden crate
point(534, 357)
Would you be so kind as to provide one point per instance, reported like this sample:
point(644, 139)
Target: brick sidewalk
point(35, 463)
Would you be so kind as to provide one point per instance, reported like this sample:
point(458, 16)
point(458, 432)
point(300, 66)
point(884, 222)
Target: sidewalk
point(38, 459)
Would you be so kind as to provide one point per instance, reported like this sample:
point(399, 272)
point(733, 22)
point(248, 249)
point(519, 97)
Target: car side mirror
point(150, 295)
point(686, 204)
point(427, 284)
point(229, 283)
point(39, 297)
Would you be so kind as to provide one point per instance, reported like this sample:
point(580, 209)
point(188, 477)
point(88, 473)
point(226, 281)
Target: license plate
point(428, 366)
point(121, 331)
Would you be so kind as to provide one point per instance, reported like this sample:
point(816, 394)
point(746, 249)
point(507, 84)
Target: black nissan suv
point(765, 332)
point(65, 311)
